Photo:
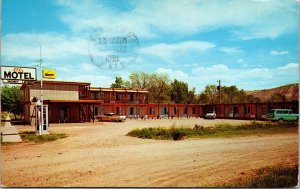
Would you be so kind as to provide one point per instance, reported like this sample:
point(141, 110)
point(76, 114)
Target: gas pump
point(40, 128)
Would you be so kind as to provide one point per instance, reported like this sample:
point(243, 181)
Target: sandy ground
point(97, 155)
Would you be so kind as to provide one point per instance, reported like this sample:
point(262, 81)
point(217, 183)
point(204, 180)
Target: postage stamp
point(114, 50)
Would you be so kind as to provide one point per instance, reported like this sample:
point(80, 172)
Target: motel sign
point(9, 73)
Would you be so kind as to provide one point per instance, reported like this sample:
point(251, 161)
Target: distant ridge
point(291, 91)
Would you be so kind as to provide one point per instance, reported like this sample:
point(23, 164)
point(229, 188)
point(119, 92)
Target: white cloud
point(289, 66)
point(177, 74)
point(230, 50)
point(170, 51)
point(253, 78)
point(279, 52)
point(54, 46)
point(147, 18)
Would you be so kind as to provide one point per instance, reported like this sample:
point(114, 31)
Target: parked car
point(210, 115)
point(110, 117)
point(282, 115)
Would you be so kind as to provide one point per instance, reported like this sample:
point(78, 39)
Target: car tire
point(280, 120)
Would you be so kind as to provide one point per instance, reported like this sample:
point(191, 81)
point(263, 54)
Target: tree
point(252, 99)
point(191, 96)
point(158, 85)
point(142, 80)
point(179, 91)
point(277, 97)
point(203, 98)
point(159, 91)
point(12, 100)
point(119, 83)
point(210, 95)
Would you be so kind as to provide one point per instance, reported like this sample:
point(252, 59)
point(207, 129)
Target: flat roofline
point(118, 89)
point(65, 82)
point(75, 101)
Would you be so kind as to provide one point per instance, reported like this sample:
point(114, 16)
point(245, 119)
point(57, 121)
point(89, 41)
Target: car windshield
point(271, 111)
point(211, 112)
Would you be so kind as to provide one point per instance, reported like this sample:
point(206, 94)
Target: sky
point(252, 44)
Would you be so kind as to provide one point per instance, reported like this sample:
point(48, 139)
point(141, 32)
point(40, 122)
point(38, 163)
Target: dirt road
point(101, 155)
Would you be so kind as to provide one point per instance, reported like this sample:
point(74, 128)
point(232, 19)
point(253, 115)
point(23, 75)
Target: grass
point(30, 136)
point(219, 130)
point(270, 177)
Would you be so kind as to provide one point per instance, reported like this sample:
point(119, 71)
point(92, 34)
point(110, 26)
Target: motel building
point(72, 102)
point(75, 102)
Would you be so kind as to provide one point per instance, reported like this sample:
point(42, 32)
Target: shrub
point(220, 130)
point(30, 136)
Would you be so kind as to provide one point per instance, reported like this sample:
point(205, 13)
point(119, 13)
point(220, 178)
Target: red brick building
point(79, 102)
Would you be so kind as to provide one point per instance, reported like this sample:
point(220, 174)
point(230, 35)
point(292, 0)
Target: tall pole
point(42, 104)
point(219, 90)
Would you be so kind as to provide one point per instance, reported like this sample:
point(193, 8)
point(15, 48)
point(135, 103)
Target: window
point(118, 97)
point(185, 110)
point(285, 112)
point(131, 97)
point(247, 110)
point(175, 110)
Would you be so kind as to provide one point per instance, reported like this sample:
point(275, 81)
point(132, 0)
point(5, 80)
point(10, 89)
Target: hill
point(291, 92)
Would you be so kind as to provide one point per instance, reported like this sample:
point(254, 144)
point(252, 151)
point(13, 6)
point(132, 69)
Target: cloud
point(148, 19)
point(279, 52)
point(230, 50)
point(248, 79)
point(170, 51)
point(177, 74)
point(54, 46)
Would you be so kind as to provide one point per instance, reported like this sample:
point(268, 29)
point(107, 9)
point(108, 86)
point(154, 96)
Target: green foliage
point(179, 91)
point(159, 91)
point(270, 177)
point(12, 100)
point(229, 95)
point(30, 136)
point(119, 83)
point(191, 96)
point(277, 97)
point(158, 85)
point(210, 94)
point(219, 130)
point(275, 177)
point(141, 80)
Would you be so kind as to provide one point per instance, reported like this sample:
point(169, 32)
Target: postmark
point(113, 50)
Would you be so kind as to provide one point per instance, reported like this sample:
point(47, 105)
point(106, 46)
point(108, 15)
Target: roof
point(75, 101)
point(118, 90)
point(65, 82)
point(55, 82)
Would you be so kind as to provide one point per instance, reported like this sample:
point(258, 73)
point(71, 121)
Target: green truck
point(282, 115)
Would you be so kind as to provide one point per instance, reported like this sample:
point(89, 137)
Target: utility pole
point(41, 99)
point(219, 90)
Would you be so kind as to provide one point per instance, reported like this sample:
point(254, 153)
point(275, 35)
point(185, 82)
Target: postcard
point(148, 93)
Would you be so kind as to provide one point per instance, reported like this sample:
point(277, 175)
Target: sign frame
point(17, 79)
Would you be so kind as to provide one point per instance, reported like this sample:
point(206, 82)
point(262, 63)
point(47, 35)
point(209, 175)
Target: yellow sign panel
point(49, 74)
